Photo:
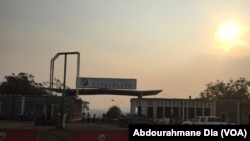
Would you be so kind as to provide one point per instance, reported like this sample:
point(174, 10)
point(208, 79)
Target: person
point(88, 117)
point(83, 117)
point(94, 116)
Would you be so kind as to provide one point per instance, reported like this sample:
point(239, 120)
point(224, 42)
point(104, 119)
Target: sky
point(176, 46)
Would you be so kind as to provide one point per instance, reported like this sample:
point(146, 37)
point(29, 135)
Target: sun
point(228, 32)
point(230, 39)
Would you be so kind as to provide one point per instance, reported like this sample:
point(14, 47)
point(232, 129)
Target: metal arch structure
point(87, 91)
point(62, 125)
point(76, 92)
point(100, 91)
point(65, 64)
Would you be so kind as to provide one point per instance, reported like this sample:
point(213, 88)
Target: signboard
point(18, 135)
point(101, 136)
point(109, 83)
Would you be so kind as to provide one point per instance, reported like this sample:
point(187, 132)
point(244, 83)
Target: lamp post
point(116, 103)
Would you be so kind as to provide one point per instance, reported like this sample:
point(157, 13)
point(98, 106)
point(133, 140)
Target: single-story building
point(233, 111)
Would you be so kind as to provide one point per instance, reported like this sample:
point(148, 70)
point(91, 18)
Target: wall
point(231, 111)
point(47, 107)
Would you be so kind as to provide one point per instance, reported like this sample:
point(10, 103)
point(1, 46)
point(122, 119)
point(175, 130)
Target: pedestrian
point(83, 117)
point(88, 117)
point(94, 116)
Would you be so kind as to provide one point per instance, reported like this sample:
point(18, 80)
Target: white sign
point(110, 83)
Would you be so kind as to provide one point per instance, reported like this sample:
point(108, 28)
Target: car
point(205, 120)
point(163, 121)
point(131, 118)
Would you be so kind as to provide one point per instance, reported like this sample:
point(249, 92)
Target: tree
point(24, 84)
point(57, 84)
point(233, 90)
point(21, 84)
point(113, 112)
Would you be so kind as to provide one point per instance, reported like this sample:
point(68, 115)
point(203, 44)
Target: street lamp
point(116, 103)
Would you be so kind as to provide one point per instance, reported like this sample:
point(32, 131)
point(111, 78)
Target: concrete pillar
point(52, 111)
point(195, 109)
point(0, 108)
point(164, 110)
point(183, 112)
point(214, 108)
point(179, 114)
point(143, 107)
point(154, 110)
point(22, 105)
point(187, 109)
point(203, 108)
point(238, 113)
point(140, 95)
point(132, 106)
point(45, 111)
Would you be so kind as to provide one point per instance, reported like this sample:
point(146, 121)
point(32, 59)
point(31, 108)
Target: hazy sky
point(169, 45)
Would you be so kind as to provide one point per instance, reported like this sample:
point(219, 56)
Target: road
point(51, 133)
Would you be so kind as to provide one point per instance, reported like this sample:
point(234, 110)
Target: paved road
point(77, 125)
point(51, 133)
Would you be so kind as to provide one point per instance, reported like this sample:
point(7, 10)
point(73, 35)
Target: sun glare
point(230, 39)
point(228, 32)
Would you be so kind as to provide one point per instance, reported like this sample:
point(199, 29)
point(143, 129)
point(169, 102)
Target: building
point(233, 111)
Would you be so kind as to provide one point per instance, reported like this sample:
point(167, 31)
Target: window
point(150, 103)
point(166, 103)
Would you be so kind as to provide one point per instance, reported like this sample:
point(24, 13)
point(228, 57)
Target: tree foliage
point(114, 112)
point(21, 84)
point(85, 105)
point(24, 84)
point(56, 84)
point(233, 90)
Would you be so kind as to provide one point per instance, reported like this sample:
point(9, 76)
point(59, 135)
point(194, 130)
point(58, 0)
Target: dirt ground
point(51, 133)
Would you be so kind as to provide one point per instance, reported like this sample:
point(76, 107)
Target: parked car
point(163, 121)
point(134, 119)
point(205, 120)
